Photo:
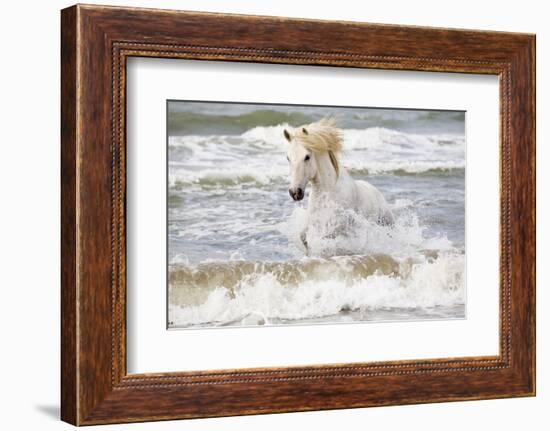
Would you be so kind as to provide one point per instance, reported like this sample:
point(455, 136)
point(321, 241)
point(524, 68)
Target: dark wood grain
point(69, 331)
point(96, 41)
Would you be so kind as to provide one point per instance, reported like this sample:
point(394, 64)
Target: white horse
point(313, 157)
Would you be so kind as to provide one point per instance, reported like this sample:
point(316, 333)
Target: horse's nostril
point(296, 194)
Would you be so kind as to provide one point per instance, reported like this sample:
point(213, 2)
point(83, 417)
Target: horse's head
point(308, 147)
point(302, 162)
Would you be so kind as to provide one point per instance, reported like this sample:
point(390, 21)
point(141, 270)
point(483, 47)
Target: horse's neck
point(326, 179)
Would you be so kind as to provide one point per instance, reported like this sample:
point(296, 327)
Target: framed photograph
point(264, 214)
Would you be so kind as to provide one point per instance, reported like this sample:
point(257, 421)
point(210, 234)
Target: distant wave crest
point(256, 156)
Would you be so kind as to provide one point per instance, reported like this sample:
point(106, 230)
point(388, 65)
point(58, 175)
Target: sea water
point(235, 256)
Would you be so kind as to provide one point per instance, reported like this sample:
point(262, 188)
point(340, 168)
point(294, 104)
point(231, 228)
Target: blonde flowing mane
point(321, 136)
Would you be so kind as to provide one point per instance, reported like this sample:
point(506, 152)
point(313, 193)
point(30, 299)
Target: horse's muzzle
point(296, 194)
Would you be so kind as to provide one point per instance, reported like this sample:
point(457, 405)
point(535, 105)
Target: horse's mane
point(322, 136)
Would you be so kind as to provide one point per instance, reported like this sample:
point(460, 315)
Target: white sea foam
point(263, 299)
point(224, 176)
point(430, 273)
point(271, 135)
point(334, 230)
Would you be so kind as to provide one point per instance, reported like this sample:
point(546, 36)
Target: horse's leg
point(303, 238)
point(386, 219)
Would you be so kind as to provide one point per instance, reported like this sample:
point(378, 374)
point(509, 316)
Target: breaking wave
point(370, 267)
point(251, 293)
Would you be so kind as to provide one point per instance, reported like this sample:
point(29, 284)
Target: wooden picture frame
point(95, 43)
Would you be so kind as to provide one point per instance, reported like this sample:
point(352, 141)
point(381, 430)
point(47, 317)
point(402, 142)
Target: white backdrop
point(29, 228)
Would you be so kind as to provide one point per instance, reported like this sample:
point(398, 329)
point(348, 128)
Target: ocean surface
point(235, 257)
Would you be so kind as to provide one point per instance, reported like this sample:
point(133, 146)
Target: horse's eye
point(307, 158)
point(287, 159)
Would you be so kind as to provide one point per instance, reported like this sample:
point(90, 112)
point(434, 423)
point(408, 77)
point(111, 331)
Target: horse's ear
point(304, 130)
point(287, 135)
